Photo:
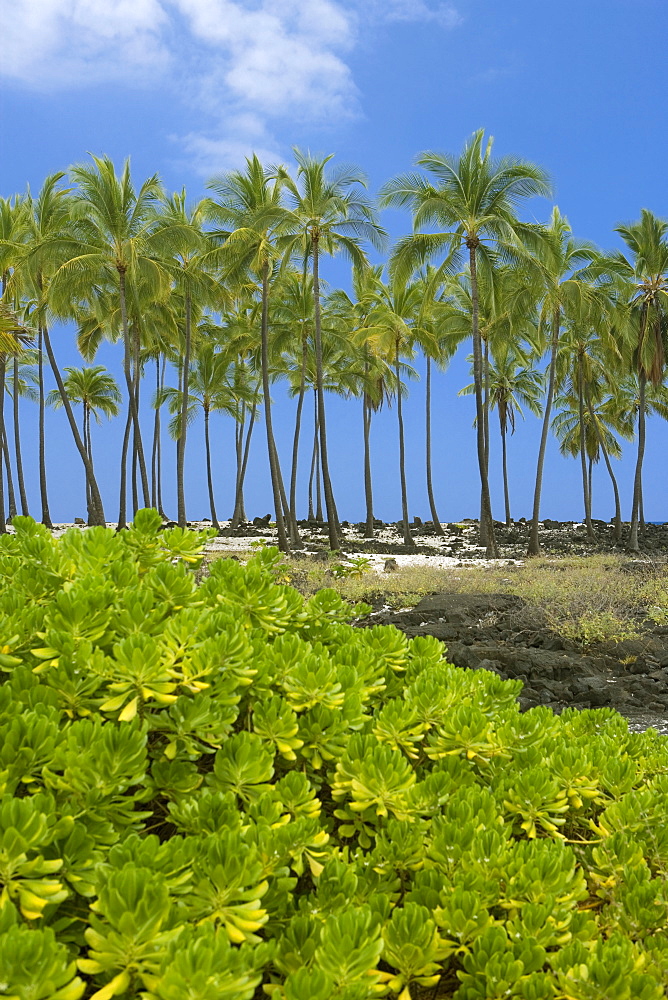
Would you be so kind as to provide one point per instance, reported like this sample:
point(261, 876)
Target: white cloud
point(445, 14)
point(48, 43)
point(245, 63)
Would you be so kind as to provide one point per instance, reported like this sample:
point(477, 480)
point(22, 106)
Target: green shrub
point(211, 791)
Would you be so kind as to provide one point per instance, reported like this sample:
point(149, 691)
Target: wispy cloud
point(247, 64)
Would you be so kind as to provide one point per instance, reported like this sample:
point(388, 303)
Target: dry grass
point(589, 599)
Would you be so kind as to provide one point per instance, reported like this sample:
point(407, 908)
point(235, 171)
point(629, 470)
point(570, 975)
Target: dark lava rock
point(481, 632)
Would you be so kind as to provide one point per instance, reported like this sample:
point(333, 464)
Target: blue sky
point(187, 88)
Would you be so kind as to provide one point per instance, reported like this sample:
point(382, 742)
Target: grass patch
point(591, 600)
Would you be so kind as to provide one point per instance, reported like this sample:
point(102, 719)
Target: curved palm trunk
point(181, 443)
point(368, 485)
point(11, 495)
point(96, 512)
point(44, 497)
point(486, 506)
point(274, 466)
point(408, 538)
point(17, 443)
point(504, 463)
point(332, 516)
point(430, 491)
point(131, 381)
point(534, 546)
point(209, 477)
point(637, 481)
point(583, 451)
point(295, 443)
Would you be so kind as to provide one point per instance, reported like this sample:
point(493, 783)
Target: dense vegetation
point(222, 790)
point(227, 293)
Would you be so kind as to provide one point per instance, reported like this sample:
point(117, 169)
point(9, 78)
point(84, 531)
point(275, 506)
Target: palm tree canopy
point(472, 199)
point(94, 387)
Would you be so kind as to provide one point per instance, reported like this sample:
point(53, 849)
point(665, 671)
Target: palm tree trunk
point(11, 495)
point(504, 462)
point(314, 464)
point(86, 444)
point(332, 516)
point(239, 514)
point(96, 513)
point(123, 499)
point(430, 490)
point(583, 451)
point(44, 497)
point(161, 509)
point(209, 477)
point(637, 482)
point(368, 485)
point(492, 551)
point(534, 546)
point(298, 423)
point(408, 538)
point(156, 434)
point(181, 443)
point(131, 381)
point(274, 467)
point(590, 481)
point(135, 490)
point(606, 458)
point(17, 443)
point(485, 407)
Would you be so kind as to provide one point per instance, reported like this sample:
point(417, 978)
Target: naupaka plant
point(220, 789)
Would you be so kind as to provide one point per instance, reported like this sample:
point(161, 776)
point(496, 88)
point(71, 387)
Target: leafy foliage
point(225, 790)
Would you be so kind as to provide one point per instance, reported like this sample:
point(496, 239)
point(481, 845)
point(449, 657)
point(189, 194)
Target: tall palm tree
point(49, 243)
point(116, 246)
point(474, 198)
point(331, 215)
point(97, 391)
point(189, 261)
point(562, 292)
point(249, 206)
point(645, 274)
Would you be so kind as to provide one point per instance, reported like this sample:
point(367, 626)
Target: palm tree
point(189, 262)
point(256, 223)
point(97, 392)
point(562, 293)
point(475, 199)
point(116, 246)
point(331, 215)
point(645, 274)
